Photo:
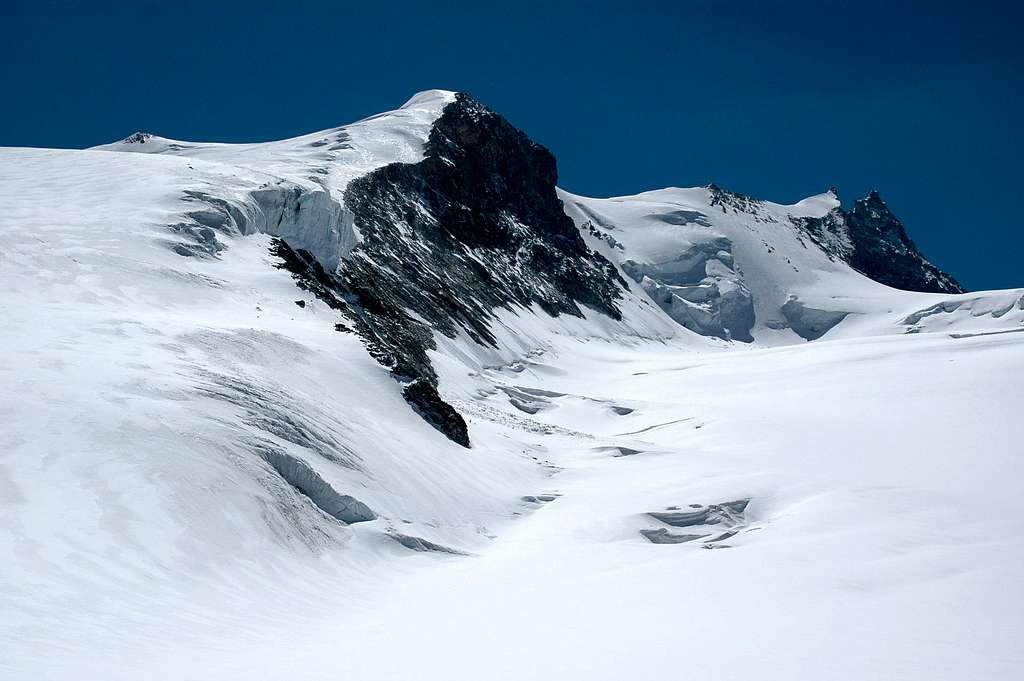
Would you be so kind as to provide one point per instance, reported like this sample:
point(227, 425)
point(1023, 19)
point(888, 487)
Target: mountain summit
point(385, 399)
point(453, 213)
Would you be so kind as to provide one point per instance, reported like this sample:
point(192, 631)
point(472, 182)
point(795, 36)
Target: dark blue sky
point(776, 99)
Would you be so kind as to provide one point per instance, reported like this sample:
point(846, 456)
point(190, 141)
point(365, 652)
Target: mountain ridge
point(434, 240)
point(240, 382)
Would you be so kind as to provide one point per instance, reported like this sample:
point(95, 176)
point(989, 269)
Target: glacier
point(703, 436)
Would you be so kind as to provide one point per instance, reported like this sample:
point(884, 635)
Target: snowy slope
point(178, 429)
point(328, 158)
point(206, 475)
point(878, 542)
point(318, 167)
point(723, 264)
point(432, 219)
point(717, 268)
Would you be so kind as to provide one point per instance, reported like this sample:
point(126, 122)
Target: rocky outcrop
point(473, 227)
point(424, 399)
point(874, 242)
point(883, 251)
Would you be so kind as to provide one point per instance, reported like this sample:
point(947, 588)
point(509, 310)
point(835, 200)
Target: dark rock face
point(883, 251)
point(399, 347)
point(423, 397)
point(873, 241)
point(476, 225)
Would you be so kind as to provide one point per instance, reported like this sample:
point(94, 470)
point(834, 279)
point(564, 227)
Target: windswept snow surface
point(202, 479)
point(319, 165)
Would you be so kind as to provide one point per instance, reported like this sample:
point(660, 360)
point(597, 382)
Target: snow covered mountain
point(350, 400)
point(726, 265)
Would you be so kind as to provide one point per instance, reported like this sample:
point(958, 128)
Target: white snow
point(144, 535)
point(320, 164)
point(680, 237)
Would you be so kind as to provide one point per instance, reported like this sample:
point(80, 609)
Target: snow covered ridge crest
point(293, 188)
point(727, 265)
point(431, 219)
point(700, 285)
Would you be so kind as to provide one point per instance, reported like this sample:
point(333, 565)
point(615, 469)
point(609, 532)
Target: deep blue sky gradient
point(922, 100)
